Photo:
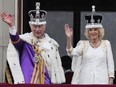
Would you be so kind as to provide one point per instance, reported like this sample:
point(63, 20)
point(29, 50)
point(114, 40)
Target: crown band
point(37, 17)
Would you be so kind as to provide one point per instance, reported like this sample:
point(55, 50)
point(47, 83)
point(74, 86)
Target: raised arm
point(69, 33)
point(15, 39)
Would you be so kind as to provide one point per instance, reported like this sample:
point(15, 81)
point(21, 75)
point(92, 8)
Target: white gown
point(97, 63)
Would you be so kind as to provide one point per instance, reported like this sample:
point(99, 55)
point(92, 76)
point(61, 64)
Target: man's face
point(38, 30)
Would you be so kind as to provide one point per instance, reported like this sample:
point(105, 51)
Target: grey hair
point(101, 33)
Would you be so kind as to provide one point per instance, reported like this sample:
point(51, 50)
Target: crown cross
point(37, 9)
point(93, 11)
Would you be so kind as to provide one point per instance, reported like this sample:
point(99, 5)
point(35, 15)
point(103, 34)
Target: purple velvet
point(26, 60)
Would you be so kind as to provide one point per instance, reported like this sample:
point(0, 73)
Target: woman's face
point(38, 30)
point(93, 33)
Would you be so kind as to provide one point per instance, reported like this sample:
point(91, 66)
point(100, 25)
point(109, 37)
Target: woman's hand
point(111, 80)
point(68, 31)
point(7, 18)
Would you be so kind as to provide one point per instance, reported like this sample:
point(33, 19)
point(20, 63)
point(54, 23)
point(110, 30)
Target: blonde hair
point(101, 33)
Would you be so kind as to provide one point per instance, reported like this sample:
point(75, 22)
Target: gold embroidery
point(32, 78)
point(8, 75)
point(39, 66)
point(15, 42)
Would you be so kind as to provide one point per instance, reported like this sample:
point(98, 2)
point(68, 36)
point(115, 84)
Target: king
point(33, 57)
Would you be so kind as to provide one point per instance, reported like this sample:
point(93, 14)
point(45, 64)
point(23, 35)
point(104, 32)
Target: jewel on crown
point(37, 15)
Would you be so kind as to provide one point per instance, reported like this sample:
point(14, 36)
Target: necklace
point(95, 46)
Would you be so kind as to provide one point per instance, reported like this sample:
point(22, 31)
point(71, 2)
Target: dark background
point(67, 5)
